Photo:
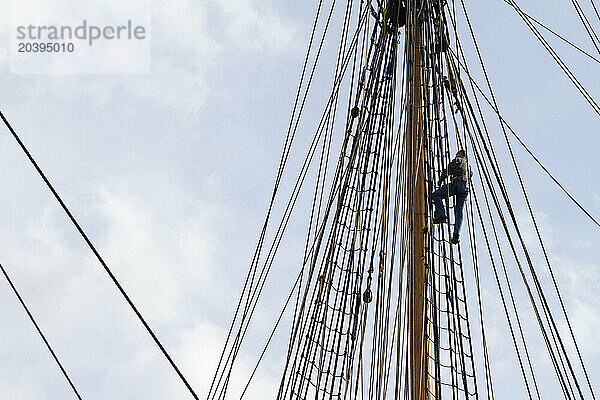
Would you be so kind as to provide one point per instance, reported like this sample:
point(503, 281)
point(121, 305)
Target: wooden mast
point(420, 380)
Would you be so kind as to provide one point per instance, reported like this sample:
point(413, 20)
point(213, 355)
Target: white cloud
point(166, 265)
point(529, 232)
point(596, 198)
point(200, 348)
point(189, 39)
point(19, 390)
point(580, 292)
point(255, 26)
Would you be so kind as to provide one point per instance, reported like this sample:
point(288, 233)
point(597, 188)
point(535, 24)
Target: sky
point(169, 171)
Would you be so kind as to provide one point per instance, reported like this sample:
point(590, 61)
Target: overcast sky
point(170, 173)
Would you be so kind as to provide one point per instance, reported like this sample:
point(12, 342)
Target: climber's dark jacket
point(458, 170)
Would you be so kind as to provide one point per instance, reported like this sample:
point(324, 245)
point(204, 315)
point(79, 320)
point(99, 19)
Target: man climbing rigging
point(460, 174)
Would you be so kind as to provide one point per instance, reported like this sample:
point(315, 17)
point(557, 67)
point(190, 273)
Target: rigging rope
point(97, 254)
point(526, 197)
point(528, 150)
point(346, 340)
point(587, 96)
point(553, 32)
point(39, 330)
point(545, 308)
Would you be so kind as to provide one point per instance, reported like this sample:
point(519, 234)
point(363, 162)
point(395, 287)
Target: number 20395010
point(45, 47)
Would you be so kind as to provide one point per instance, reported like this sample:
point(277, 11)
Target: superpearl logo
point(68, 36)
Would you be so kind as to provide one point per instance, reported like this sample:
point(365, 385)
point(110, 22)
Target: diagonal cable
point(39, 330)
point(97, 254)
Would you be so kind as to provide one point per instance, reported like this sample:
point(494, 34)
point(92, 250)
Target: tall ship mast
point(383, 306)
